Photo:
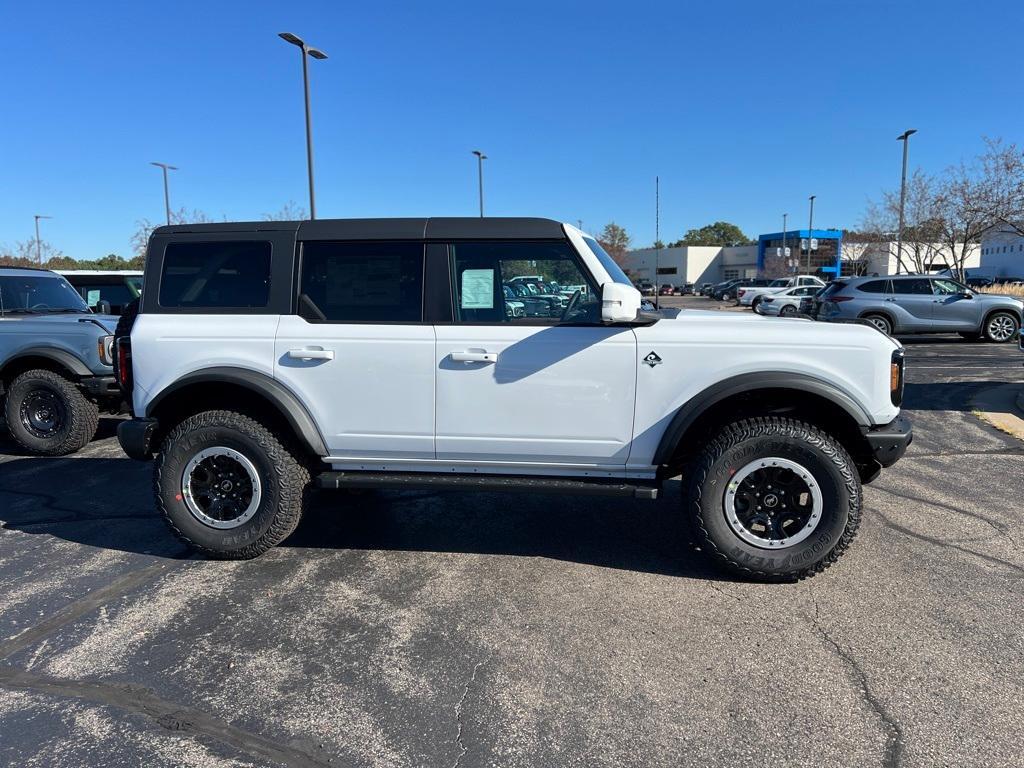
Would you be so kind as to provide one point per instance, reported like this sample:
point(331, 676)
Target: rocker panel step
point(419, 481)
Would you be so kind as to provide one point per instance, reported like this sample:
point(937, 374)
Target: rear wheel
point(227, 486)
point(1001, 327)
point(48, 415)
point(774, 499)
point(881, 322)
point(756, 304)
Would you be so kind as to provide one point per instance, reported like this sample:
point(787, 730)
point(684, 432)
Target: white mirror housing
point(619, 303)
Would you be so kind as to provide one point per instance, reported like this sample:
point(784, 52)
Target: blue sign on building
point(826, 259)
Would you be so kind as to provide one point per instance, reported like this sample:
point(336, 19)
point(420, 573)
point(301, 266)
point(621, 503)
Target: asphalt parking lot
point(455, 629)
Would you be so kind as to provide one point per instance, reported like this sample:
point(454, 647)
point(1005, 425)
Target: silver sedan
point(785, 303)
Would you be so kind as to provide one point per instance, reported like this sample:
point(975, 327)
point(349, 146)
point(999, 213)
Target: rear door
point(519, 394)
point(914, 304)
point(357, 351)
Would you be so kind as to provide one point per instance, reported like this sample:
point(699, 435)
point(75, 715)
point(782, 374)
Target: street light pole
point(810, 230)
point(316, 53)
point(39, 248)
point(480, 157)
point(167, 197)
point(905, 138)
point(657, 240)
point(784, 257)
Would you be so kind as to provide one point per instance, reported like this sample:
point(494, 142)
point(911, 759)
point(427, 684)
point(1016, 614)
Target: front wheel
point(48, 415)
point(227, 486)
point(774, 499)
point(1001, 327)
point(787, 311)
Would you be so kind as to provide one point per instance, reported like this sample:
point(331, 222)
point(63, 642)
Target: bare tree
point(144, 227)
point(290, 211)
point(922, 244)
point(972, 198)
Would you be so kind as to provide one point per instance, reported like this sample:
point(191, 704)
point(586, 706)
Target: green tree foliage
point(720, 233)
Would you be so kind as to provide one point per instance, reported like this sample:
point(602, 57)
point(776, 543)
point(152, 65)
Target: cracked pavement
point(458, 629)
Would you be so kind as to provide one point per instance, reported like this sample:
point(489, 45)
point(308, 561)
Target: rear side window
point(832, 288)
point(361, 282)
point(875, 286)
point(915, 287)
point(227, 274)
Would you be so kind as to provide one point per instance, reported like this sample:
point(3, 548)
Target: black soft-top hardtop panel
point(468, 228)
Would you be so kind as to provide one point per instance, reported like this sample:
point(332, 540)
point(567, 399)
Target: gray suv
point(56, 366)
point(904, 304)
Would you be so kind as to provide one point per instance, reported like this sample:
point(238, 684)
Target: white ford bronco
point(267, 357)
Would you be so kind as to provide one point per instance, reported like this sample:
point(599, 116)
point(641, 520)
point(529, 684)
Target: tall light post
point(810, 231)
point(167, 197)
point(905, 138)
point(39, 247)
point(657, 240)
point(784, 257)
point(480, 157)
point(316, 53)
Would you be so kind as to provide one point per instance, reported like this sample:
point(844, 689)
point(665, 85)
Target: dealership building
point(829, 257)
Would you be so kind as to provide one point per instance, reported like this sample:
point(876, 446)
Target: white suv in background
point(381, 353)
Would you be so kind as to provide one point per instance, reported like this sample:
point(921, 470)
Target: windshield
point(39, 294)
point(614, 270)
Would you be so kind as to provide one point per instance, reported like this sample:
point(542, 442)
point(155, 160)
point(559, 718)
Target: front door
point(955, 309)
point(358, 353)
point(519, 392)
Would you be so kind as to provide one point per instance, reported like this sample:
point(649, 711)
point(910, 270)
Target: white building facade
point(1002, 254)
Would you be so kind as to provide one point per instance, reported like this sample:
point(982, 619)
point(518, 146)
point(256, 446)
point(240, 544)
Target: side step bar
point(419, 481)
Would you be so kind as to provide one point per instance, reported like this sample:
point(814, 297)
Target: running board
point(419, 481)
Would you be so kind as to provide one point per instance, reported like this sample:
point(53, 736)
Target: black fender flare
point(290, 407)
point(57, 355)
point(693, 408)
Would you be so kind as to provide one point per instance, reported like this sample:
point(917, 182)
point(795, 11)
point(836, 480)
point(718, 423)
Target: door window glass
point(361, 282)
point(875, 286)
point(526, 282)
point(216, 275)
point(947, 287)
point(914, 287)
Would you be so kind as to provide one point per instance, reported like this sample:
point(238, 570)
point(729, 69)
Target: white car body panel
point(554, 394)
point(166, 348)
point(375, 399)
point(852, 358)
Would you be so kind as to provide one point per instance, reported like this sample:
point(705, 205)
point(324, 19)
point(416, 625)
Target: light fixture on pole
point(904, 137)
point(39, 248)
point(167, 197)
point(480, 157)
point(316, 53)
point(810, 233)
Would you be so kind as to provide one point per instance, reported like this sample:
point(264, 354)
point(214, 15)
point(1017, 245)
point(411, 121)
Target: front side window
point(914, 287)
point(362, 282)
point(948, 287)
point(525, 282)
point(38, 294)
point(226, 274)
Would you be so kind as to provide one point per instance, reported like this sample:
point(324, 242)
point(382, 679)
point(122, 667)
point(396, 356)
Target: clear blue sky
point(742, 108)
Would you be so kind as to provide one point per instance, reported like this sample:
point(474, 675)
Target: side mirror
point(619, 303)
point(966, 295)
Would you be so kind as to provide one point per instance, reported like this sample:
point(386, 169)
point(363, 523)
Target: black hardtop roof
point(435, 228)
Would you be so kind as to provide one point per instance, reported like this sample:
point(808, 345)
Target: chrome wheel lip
point(1001, 327)
point(188, 495)
point(737, 527)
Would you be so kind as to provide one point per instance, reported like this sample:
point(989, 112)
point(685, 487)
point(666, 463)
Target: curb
point(1002, 407)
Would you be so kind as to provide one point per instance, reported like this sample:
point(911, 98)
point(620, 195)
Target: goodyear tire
point(48, 415)
point(227, 486)
point(774, 499)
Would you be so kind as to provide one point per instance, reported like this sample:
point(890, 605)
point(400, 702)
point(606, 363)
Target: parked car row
point(896, 304)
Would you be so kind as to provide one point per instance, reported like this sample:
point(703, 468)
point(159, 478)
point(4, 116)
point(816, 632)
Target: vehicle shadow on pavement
point(641, 536)
point(107, 427)
point(108, 503)
point(945, 396)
